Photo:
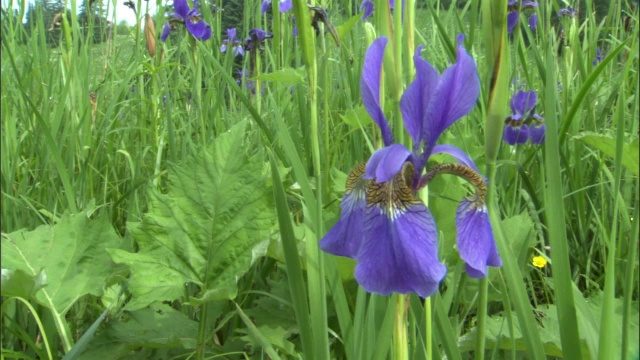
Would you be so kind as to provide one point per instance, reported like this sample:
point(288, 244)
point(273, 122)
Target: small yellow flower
point(539, 261)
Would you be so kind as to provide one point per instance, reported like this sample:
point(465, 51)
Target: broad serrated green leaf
point(607, 144)
point(71, 253)
point(286, 75)
point(217, 204)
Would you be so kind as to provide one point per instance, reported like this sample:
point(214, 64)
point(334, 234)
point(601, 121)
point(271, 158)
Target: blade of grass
point(555, 216)
point(292, 262)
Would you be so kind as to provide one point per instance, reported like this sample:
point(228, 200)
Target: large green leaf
point(215, 219)
point(70, 255)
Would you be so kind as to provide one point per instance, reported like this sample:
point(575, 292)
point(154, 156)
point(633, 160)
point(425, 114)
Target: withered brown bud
point(150, 34)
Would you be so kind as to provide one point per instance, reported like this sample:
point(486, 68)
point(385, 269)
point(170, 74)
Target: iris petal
point(454, 97)
point(166, 29)
point(182, 8)
point(345, 238)
point(476, 244)
point(512, 21)
point(416, 98)
point(370, 86)
point(400, 255)
point(460, 155)
point(385, 163)
point(533, 21)
point(200, 29)
point(523, 102)
point(536, 133)
point(285, 6)
point(515, 134)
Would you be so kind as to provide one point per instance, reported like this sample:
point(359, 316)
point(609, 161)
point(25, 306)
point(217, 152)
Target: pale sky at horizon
point(122, 12)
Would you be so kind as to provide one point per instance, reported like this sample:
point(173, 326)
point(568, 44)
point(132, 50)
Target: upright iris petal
point(367, 6)
point(370, 86)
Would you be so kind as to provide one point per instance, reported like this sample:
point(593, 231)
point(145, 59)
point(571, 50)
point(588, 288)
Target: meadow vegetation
point(165, 199)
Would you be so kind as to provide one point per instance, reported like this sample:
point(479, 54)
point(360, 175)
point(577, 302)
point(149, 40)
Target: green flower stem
point(400, 329)
point(482, 319)
point(428, 328)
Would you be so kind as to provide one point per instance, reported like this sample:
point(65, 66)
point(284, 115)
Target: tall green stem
point(400, 329)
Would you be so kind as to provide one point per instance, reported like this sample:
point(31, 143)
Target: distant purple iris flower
point(233, 42)
point(383, 225)
point(599, 56)
point(523, 124)
point(367, 7)
point(285, 5)
point(255, 39)
point(514, 8)
point(191, 18)
point(568, 12)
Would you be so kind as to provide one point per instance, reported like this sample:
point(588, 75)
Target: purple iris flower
point(568, 12)
point(191, 18)
point(367, 6)
point(523, 124)
point(599, 56)
point(231, 40)
point(383, 225)
point(255, 39)
point(514, 8)
point(285, 5)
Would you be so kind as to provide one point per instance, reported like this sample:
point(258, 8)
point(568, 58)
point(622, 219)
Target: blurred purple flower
point(568, 12)
point(523, 124)
point(255, 39)
point(599, 56)
point(285, 5)
point(383, 225)
point(513, 16)
point(190, 17)
point(231, 40)
point(367, 6)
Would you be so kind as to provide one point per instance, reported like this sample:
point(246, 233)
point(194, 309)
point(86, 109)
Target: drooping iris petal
point(182, 8)
point(460, 155)
point(223, 47)
point(399, 252)
point(512, 21)
point(198, 29)
point(515, 134)
point(345, 238)
point(166, 29)
point(474, 236)
point(370, 86)
point(523, 102)
point(454, 97)
point(536, 133)
point(415, 99)
point(385, 163)
point(533, 21)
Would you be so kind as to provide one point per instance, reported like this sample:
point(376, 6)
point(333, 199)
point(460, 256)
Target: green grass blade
point(292, 262)
point(554, 207)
